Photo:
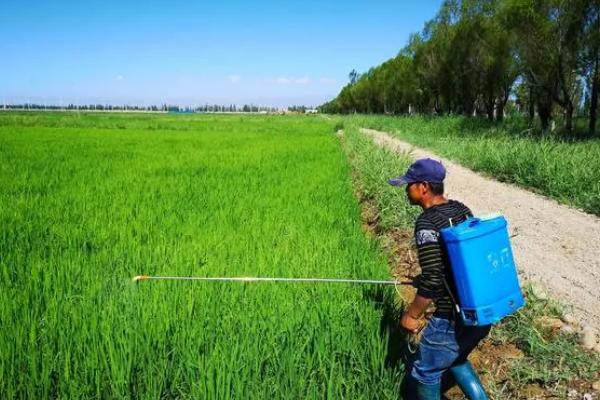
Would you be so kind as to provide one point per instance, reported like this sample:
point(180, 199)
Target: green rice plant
point(88, 201)
point(374, 167)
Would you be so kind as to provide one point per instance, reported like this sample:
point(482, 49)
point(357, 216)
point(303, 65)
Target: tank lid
point(473, 227)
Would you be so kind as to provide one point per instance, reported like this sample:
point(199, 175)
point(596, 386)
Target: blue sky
point(193, 52)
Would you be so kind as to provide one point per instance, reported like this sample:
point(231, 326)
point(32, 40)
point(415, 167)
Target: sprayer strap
point(446, 285)
point(456, 305)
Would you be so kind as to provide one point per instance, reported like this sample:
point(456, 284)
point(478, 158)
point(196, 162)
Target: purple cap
point(423, 170)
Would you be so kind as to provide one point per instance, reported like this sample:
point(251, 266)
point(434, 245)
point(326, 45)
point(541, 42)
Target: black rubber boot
point(409, 388)
point(415, 390)
point(428, 392)
point(467, 379)
point(448, 383)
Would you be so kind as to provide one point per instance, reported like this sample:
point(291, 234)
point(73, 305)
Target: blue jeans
point(444, 343)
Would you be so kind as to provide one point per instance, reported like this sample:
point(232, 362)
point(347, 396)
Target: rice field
point(89, 201)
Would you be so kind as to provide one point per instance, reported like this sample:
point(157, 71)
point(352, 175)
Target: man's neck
point(434, 201)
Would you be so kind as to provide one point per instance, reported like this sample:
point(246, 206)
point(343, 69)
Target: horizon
point(266, 54)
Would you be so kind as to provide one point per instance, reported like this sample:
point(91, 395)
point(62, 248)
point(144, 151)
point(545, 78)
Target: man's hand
point(413, 325)
point(412, 320)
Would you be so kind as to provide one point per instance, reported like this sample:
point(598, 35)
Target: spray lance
point(270, 279)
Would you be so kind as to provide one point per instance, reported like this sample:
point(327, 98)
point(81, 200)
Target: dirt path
point(557, 246)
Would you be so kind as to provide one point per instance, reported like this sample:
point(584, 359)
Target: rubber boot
point(448, 383)
point(468, 381)
point(409, 387)
point(428, 392)
point(415, 390)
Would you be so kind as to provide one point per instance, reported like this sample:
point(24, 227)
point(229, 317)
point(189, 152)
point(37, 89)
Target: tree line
point(476, 55)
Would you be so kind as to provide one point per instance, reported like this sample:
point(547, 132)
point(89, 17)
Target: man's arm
point(431, 281)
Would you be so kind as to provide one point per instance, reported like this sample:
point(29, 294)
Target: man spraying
point(445, 341)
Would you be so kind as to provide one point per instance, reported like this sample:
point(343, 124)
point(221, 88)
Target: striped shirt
point(433, 259)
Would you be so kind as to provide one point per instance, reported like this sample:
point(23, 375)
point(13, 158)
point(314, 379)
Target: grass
point(374, 166)
point(561, 168)
point(89, 201)
point(550, 360)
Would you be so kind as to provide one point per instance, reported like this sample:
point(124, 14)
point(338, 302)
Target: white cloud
point(296, 80)
point(120, 77)
point(302, 80)
point(326, 80)
point(234, 78)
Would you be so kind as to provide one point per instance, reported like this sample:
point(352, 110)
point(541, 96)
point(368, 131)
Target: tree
point(353, 76)
point(468, 58)
point(590, 59)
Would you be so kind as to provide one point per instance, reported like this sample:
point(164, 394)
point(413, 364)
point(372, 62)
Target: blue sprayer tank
point(484, 270)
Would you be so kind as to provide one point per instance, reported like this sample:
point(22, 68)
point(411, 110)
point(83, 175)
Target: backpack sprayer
point(484, 271)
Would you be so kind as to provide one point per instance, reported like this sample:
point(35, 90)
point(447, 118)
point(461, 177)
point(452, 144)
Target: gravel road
point(557, 246)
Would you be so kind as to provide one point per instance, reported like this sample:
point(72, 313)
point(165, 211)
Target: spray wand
point(267, 279)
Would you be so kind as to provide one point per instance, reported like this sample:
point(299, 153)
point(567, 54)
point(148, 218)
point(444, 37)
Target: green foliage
point(89, 201)
point(549, 356)
point(390, 88)
point(564, 170)
point(374, 167)
point(468, 58)
point(550, 359)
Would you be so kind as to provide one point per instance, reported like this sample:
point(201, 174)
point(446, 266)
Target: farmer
point(441, 358)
